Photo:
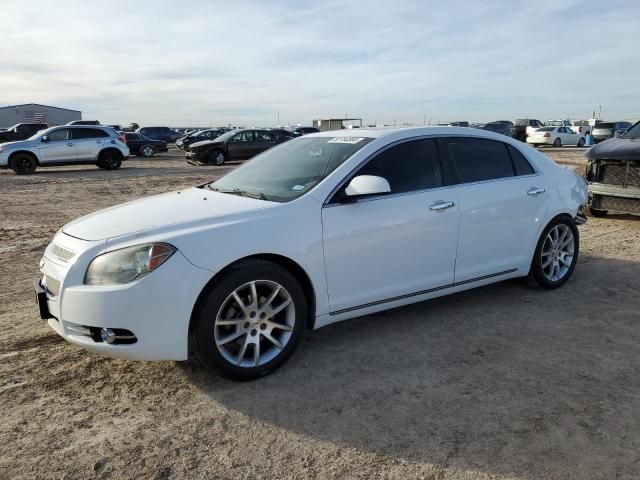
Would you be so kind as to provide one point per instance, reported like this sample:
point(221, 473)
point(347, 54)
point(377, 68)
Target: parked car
point(21, 131)
point(158, 133)
point(556, 136)
point(606, 130)
point(613, 174)
point(198, 136)
point(501, 128)
point(84, 122)
point(143, 147)
point(317, 230)
point(582, 126)
point(298, 131)
point(233, 145)
point(65, 145)
point(453, 124)
point(525, 127)
point(558, 123)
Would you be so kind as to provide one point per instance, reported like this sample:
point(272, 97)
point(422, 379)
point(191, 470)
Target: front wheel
point(556, 254)
point(251, 321)
point(23, 164)
point(216, 158)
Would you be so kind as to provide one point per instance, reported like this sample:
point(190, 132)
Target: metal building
point(36, 113)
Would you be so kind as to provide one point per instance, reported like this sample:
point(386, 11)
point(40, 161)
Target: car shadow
point(506, 380)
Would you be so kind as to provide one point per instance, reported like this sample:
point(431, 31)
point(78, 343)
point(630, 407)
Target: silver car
point(65, 145)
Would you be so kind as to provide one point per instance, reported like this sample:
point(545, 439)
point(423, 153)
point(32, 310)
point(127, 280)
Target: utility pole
point(278, 119)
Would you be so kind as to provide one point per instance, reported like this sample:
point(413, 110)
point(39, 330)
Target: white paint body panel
point(359, 258)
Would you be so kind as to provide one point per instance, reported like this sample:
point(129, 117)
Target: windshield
point(633, 132)
point(291, 169)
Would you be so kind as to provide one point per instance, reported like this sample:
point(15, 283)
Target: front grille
point(615, 173)
point(51, 285)
point(62, 253)
point(618, 204)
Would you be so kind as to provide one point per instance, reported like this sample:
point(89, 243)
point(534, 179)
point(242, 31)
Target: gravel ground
point(502, 382)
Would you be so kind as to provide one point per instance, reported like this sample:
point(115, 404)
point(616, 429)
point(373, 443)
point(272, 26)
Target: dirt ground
point(503, 382)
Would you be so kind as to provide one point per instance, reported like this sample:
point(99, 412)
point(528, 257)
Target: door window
point(520, 164)
point(82, 133)
point(477, 159)
point(59, 135)
point(409, 166)
point(246, 136)
point(262, 136)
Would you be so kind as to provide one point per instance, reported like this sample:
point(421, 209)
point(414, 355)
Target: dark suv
point(158, 133)
point(21, 131)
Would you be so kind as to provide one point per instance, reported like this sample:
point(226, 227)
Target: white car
point(323, 228)
point(556, 136)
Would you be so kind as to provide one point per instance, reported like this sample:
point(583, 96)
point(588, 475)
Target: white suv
point(65, 145)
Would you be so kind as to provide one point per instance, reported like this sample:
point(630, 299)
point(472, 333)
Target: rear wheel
point(110, 160)
point(251, 322)
point(556, 253)
point(557, 142)
point(147, 151)
point(23, 164)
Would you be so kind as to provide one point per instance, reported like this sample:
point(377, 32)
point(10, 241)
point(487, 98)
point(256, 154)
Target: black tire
point(203, 328)
point(23, 164)
point(147, 151)
point(557, 142)
point(537, 270)
point(216, 157)
point(581, 142)
point(110, 160)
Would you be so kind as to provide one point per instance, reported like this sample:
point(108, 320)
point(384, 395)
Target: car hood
point(18, 144)
point(205, 143)
point(173, 208)
point(615, 149)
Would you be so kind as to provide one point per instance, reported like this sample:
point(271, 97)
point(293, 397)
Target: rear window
point(604, 125)
point(477, 159)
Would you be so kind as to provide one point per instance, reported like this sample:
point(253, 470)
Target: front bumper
point(156, 308)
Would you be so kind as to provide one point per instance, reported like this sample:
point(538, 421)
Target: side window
point(477, 159)
point(409, 166)
point(263, 136)
point(59, 135)
point(81, 133)
point(244, 136)
point(520, 164)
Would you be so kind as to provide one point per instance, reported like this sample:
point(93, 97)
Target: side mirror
point(367, 185)
point(45, 138)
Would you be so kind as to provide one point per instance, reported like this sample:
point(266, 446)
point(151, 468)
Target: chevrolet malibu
point(323, 228)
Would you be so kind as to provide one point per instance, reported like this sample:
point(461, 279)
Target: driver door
point(240, 145)
point(60, 147)
point(397, 244)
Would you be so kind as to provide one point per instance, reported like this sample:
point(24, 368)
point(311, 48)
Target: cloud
point(199, 62)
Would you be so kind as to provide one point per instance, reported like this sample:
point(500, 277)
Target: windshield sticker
point(351, 140)
point(298, 188)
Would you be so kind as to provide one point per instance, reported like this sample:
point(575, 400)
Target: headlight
point(127, 264)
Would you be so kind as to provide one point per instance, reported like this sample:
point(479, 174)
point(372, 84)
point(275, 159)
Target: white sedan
point(323, 228)
point(556, 136)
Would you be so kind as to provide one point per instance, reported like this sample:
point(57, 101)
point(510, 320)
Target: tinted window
point(262, 136)
point(246, 136)
point(478, 159)
point(131, 136)
point(407, 167)
point(521, 164)
point(59, 135)
point(80, 133)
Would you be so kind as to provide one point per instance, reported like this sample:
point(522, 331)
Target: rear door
point(89, 142)
point(60, 147)
point(264, 141)
point(501, 200)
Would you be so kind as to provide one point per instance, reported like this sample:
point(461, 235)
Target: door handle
point(535, 191)
point(441, 205)
point(70, 144)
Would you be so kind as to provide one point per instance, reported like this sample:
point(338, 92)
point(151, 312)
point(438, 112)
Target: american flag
point(36, 117)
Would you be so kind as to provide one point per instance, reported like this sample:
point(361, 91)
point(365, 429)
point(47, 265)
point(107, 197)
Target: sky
point(208, 63)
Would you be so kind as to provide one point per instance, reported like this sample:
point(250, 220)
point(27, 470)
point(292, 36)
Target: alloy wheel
point(557, 252)
point(254, 323)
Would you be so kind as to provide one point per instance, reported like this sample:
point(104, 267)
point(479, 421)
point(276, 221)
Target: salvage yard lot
point(503, 382)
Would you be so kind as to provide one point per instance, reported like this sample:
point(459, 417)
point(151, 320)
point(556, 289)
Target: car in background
point(556, 136)
point(318, 230)
point(501, 128)
point(453, 124)
point(299, 131)
point(158, 133)
point(582, 126)
point(606, 130)
point(84, 122)
point(141, 146)
point(613, 174)
point(66, 145)
point(21, 131)
point(557, 123)
point(233, 145)
point(524, 127)
point(198, 136)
